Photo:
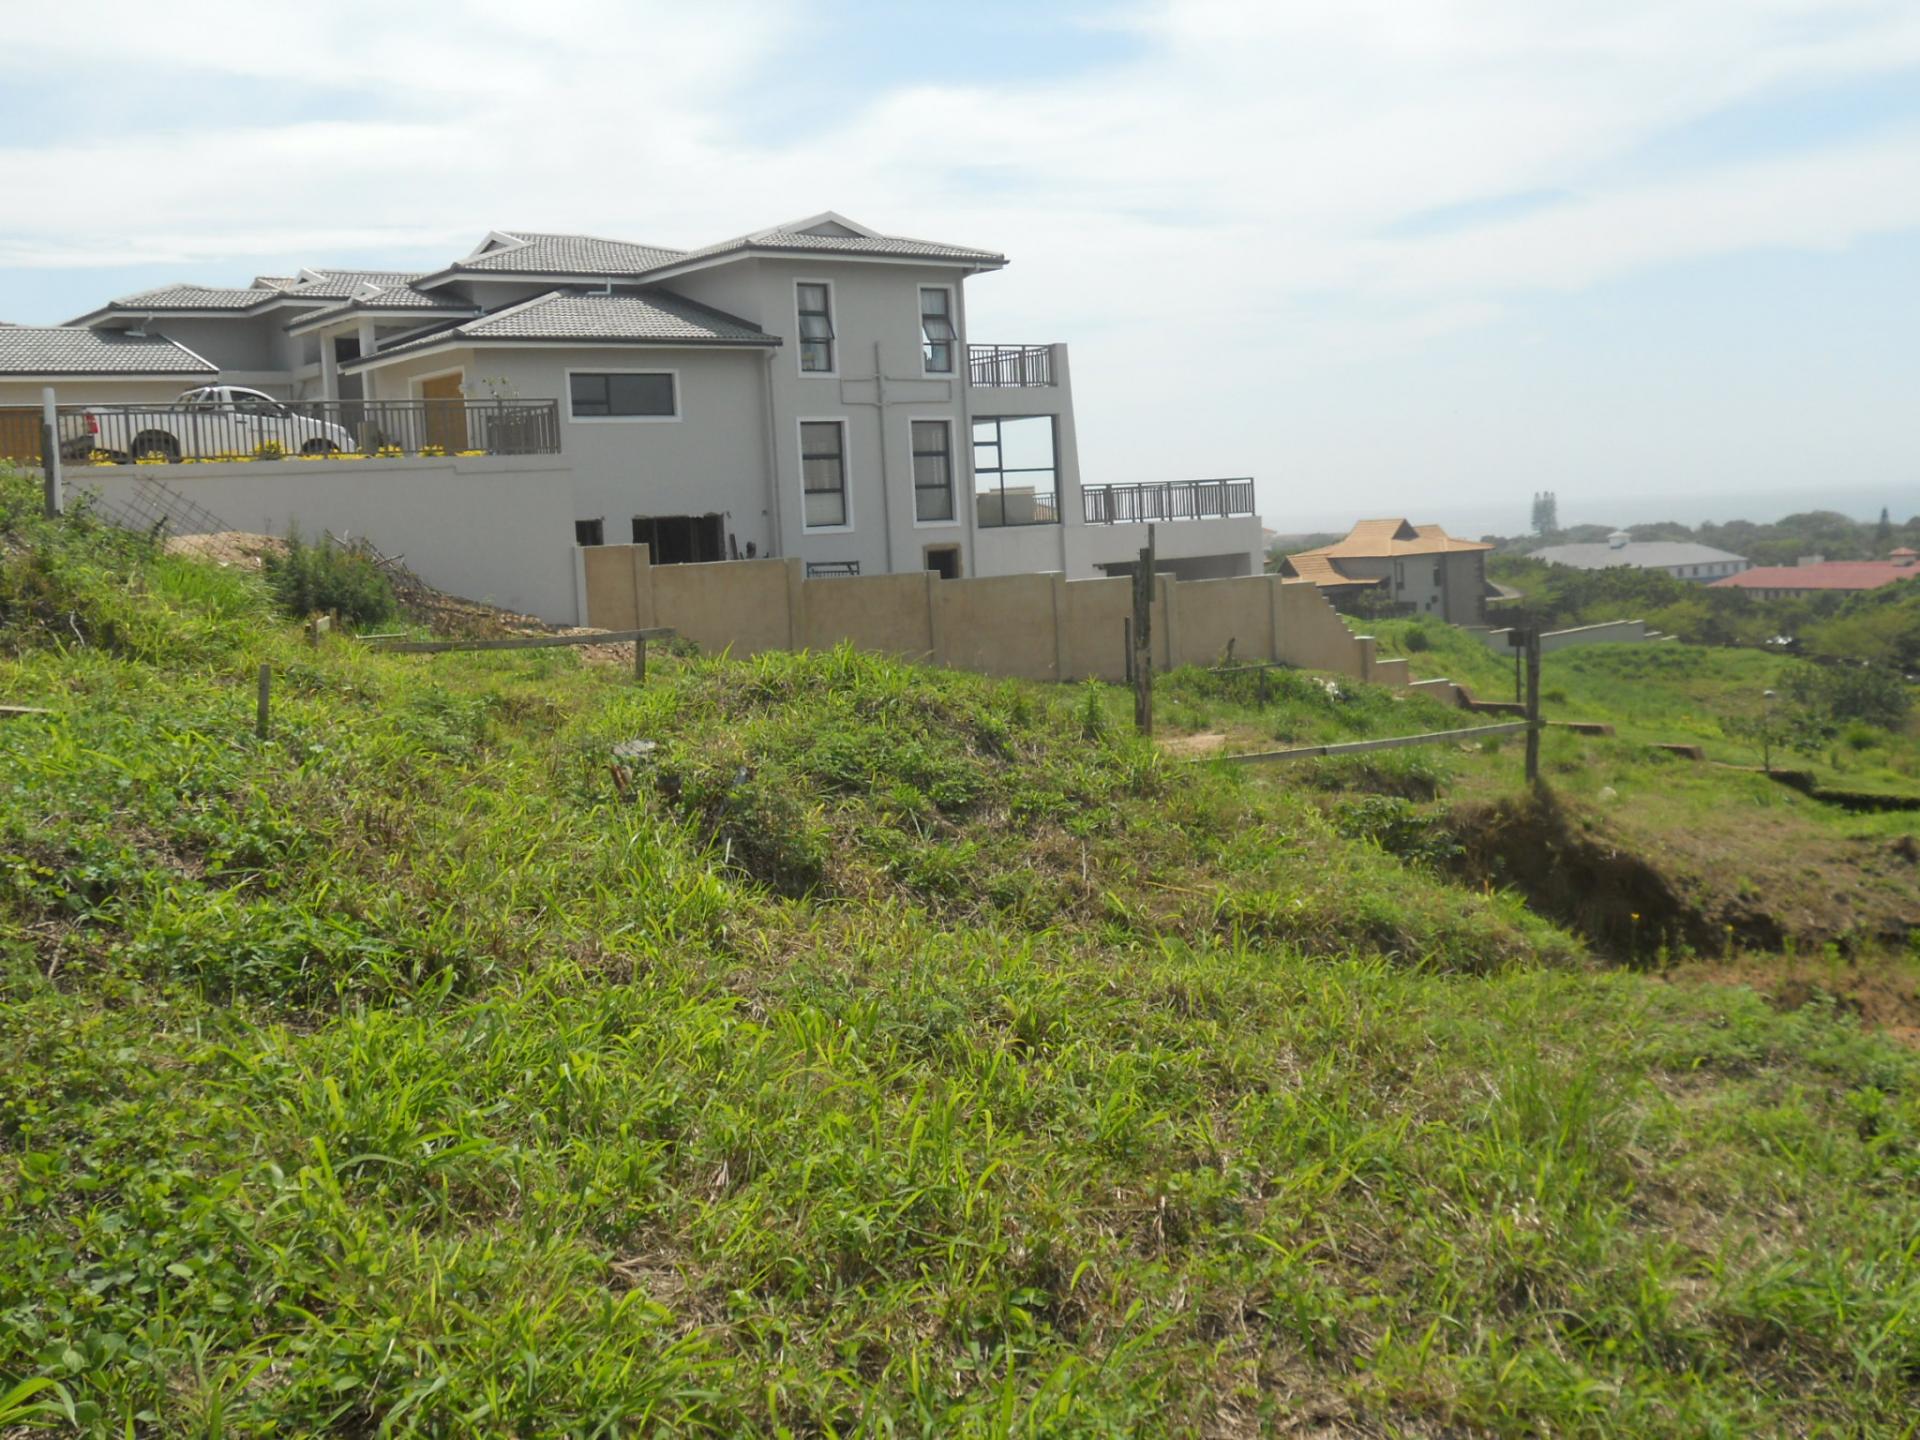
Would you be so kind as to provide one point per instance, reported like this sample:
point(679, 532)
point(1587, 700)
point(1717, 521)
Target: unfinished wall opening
point(944, 561)
point(1016, 472)
point(681, 539)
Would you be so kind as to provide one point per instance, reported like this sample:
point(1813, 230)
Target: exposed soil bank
point(1630, 902)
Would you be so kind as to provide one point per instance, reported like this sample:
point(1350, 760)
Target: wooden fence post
point(1143, 639)
point(639, 659)
point(1533, 705)
point(266, 695)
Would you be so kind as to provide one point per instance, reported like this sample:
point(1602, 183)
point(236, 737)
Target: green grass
point(884, 1052)
point(1661, 693)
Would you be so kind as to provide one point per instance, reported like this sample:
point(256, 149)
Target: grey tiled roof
point(346, 282)
point(549, 254)
point(655, 318)
point(1649, 554)
point(267, 290)
point(195, 297)
point(75, 350)
point(801, 241)
point(397, 297)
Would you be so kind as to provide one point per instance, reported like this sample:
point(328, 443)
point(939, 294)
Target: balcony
point(307, 430)
point(1020, 367)
point(1168, 500)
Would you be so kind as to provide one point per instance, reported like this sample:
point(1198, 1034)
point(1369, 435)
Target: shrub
point(311, 578)
point(1870, 694)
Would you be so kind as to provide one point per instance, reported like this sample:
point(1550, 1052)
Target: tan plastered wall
point(741, 605)
point(1037, 627)
point(1210, 614)
point(1096, 633)
point(888, 613)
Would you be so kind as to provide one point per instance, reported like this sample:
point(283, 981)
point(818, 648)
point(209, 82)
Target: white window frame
point(952, 372)
point(800, 341)
point(679, 403)
point(846, 469)
point(953, 472)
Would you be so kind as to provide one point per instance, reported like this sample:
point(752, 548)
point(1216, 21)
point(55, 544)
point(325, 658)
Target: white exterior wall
point(713, 458)
point(494, 529)
point(876, 316)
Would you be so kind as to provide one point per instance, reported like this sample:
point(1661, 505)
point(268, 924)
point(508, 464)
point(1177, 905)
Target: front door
point(20, 433)
point(445, 423)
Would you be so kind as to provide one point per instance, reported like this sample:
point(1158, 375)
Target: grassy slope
point(1741, 848)
point(899, 1056)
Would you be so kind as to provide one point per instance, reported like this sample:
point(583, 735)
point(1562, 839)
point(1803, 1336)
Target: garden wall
point(1037, 627)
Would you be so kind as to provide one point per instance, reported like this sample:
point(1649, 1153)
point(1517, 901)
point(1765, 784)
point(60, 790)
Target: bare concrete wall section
point(887, 613)
point(1038, 627)
point(741, 606)
point(1216, 613)
point(493, 528)
point(1001, 626)
point(1096, 616)
point(1312, 634)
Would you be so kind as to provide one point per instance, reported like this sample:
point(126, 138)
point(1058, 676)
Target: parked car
point(203, 424)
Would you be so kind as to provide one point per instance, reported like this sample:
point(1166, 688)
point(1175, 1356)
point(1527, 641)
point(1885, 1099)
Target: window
point(622, 396)
point(816, 328)
point(1013, 469)
point(823, 472)
point(944, 561)
point(681, 539)
point(936, 324)
point(932, 470)
point(590, 532)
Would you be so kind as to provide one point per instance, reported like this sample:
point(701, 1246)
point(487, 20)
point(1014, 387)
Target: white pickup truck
point(203, 424)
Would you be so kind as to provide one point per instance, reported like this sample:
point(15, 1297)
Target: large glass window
point(622, 395)
point(932, 470)
point(936, 325)
point(1016, 476)
point(823, 472)
point(816, 328)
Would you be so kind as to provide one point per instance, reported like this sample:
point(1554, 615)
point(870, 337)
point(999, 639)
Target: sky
point(1417, 257)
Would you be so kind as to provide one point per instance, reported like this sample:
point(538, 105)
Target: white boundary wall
point(492, 528)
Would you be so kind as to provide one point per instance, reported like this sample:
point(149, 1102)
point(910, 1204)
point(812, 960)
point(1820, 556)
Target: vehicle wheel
point(319, 447)
point(155, 442)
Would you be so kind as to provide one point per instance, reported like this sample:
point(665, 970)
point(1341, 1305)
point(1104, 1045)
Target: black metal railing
point(1168, 500)
point(1016, 505)
point(310, 429)
point(1018, 366)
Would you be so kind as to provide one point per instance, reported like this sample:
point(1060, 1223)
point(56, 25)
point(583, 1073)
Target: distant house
point(1395, 565)
point(1682, 559)
point(1815, 576)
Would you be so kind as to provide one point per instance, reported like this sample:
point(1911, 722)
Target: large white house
point(809, 390)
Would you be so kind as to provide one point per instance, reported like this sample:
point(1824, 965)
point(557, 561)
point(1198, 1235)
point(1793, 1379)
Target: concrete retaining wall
point(1038, 627)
